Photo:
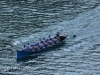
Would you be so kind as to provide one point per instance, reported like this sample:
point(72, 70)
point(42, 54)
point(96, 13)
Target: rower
point(45, 42)
point(33, 44)
point(24, 48)
point(55, 40)
point(35, 47)
point(50, 41)
point(39, 46)
point(29, 47)
point(42, 41)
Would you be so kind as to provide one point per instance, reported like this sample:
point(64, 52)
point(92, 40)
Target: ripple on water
point(27, 21)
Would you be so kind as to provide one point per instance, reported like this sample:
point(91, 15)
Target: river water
point(23, 21)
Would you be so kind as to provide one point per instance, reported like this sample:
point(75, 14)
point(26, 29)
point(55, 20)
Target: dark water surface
point(23, 21)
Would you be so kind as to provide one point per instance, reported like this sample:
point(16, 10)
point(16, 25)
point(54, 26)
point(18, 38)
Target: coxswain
point(58, 35)
point(48, 38)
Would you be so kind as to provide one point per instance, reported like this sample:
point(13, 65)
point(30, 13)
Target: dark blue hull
point(22, 55)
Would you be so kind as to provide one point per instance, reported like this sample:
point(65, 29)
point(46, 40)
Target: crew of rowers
point(42, 43)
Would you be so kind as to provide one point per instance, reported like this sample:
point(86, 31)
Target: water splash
point(25, 40)
point(72, 48)
point(16, 43)
point(78, 45)
point(8, 46)
point(66, 49)
point(31, 36)
point(55, 54)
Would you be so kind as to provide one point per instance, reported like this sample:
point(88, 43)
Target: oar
point(60, 31)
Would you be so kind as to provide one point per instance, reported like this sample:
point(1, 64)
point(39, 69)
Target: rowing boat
point(26, 54)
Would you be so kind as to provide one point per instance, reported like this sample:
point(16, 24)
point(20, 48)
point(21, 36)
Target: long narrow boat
point(25, 55)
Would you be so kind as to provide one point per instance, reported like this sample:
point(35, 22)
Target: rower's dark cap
point(24, 45)
point(28, 43)
point(49, 35)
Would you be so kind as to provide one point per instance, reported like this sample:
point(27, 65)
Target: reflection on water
point(23, 21)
